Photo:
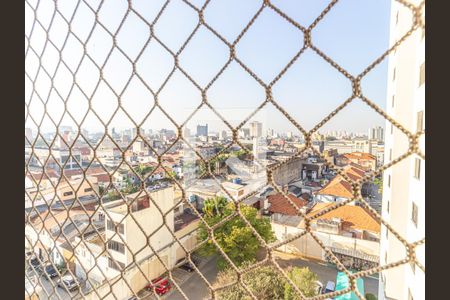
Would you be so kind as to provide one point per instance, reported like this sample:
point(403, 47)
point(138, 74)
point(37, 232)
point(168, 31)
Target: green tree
point(215, 206)
point(304, 279)
point(379, 182)
point(113, 195)
point(264, 283)
point(234, 237)
point(371, 296)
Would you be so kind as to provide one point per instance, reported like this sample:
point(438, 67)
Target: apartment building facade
point(403, 184)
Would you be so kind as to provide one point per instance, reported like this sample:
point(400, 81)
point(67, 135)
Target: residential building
point(350, 232)
point(366, 160)
point(403, 204)
point(127, 233)
point(60, 158)
point(65, 190)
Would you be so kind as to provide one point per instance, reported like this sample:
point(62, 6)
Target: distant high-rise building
point(270, 133)
point(255, 129)
point(376, 133)
point(244, 133)
point(202, 130)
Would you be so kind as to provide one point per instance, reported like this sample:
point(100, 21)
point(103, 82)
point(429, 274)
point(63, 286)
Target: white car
point(68, 282)
point(329, 288)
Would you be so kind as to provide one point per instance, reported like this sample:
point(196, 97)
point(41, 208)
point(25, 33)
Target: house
point(44, 234)
point(65, 190)
point(348, 231)
point(282, 211)
point(234, 189)
point(366, 160)
point(337, 190)
point(350, 220)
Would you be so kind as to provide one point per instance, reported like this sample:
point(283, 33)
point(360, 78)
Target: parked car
point(161, 284)
point(329, 288)
point(50, 271)
point(319, 287)
point(187, 266)
point(35, 263)
point(68, 282)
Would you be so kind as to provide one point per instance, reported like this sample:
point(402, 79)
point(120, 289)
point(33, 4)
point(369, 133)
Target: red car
point(162, 285)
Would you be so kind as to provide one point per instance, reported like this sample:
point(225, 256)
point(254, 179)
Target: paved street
point(375, 197)
point(323, 271)
point(194, 287)
point(48, 289)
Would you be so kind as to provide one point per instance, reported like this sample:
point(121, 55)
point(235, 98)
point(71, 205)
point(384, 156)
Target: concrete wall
point(307, 246)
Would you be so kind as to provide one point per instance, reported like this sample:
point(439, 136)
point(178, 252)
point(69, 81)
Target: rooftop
point(184, 220)
point(337, 187)
point(359, 155)
point(279, 204)
point(352, 216)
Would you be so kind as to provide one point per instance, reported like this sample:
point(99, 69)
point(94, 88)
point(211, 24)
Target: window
point(393, 100)
point(140, 204)
point(389, 181)
point(116, 246)
point(417, 168)
point(65, 194)
point(88, 190)
point(385, 257)
point(112, 226)
point(392, 129)
point(387, 236)
point(390, 154)
point(422, 74)
point(393, 75)
point(387, 206)
point(420, 120)
point(396, 18)
point(414, 214)
point(116, 265)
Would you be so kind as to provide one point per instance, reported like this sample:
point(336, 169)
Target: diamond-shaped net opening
point(137, 207)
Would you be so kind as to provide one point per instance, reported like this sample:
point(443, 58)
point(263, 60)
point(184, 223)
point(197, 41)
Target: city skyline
point(300, 92)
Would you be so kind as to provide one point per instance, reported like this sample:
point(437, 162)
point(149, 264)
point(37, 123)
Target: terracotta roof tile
point(359, 155)
point(352, 216)
point(338, 187)
point(279, 204)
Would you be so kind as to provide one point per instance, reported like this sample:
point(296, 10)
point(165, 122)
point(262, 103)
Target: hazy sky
point(354, 33)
